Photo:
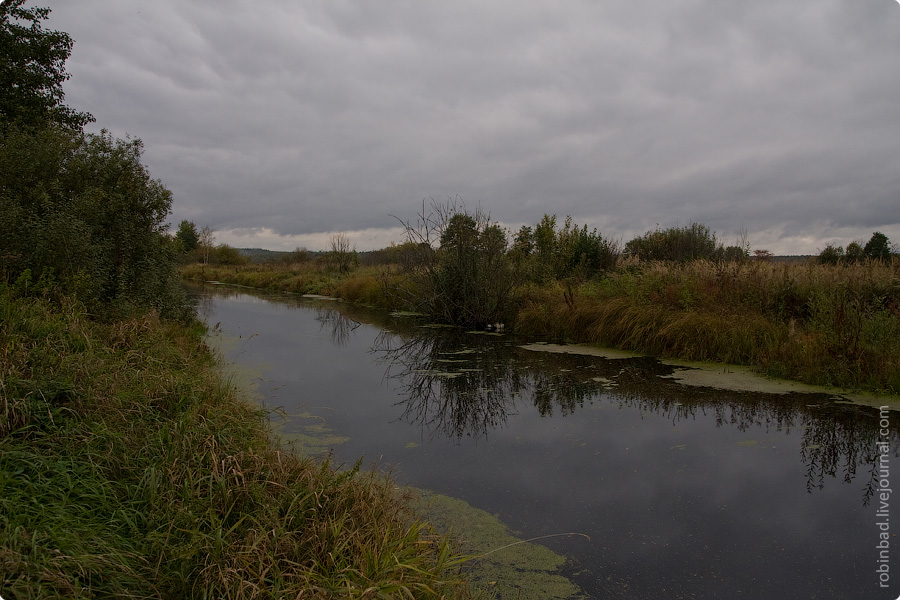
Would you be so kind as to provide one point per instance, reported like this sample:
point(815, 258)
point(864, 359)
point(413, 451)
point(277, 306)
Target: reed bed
point(130, 469)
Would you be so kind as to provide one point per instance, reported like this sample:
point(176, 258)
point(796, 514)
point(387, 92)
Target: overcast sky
point(280, 122)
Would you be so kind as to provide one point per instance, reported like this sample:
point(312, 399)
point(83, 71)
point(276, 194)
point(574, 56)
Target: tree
point(854, 253)
point(187, 236)
point(342, 255)
point(523, 242)
point(831, 255)
point(458, 267)
point(584, 253)
point(32, 70)
point(878, 247)
point(83, 208)
point(205, 242)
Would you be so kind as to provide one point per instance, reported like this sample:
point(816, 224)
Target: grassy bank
point(362, 285)
point(128, 468)
point(822, 324)
point(836, 325)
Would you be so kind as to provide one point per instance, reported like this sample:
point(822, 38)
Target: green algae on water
point(314, 438)
point(503, 565)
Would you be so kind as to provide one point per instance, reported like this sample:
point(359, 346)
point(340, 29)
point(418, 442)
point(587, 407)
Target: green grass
point(130, 469)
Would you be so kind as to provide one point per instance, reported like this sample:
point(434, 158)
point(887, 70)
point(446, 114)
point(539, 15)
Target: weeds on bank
point(129, 469)
point(823, 324)
point(363, 286)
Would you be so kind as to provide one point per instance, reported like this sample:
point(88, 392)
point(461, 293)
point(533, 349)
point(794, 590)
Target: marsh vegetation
point(671, 293)
point(131, 469)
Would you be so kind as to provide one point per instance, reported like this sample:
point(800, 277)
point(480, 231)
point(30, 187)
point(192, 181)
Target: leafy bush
point(677, 244)
point(545, 252)
point(458, 267)
point(84, 207)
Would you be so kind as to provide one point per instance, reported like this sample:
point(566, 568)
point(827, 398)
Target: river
point(640, 485)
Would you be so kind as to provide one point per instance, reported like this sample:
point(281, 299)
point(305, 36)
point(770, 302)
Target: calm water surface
point(683, 492)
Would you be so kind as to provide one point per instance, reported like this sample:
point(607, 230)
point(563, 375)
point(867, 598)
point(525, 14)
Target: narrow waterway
point(648, 488)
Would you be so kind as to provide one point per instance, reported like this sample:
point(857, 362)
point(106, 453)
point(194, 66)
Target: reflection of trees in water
point(457, 385)
point(202, 296)
point(341, 325)
point(451, 390)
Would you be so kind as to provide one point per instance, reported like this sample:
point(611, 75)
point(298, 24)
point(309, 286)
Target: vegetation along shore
point(675, 293)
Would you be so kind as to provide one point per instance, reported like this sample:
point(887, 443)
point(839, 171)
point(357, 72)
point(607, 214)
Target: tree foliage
point(187, 236)
point(458, 264)
point(83, 208)
point(77, 210)
point(547, 252)
point(877, 248)
point(32, 70)
point(676, 244)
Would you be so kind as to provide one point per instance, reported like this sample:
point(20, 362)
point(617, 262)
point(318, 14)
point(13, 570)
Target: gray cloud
point(302, 118)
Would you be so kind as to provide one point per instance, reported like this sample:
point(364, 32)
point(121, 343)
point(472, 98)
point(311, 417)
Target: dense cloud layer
point(278, 122)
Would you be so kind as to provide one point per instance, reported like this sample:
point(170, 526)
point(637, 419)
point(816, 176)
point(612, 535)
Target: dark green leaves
point(32, 70)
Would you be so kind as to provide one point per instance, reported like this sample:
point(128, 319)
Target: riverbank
point(828, 325)
point(130, 468)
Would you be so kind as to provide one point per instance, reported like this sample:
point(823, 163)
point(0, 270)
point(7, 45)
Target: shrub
point(677, 244)
point(85, 206)
point(458, 267)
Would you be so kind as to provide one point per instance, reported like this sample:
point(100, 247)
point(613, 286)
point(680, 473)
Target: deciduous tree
point(878, 247)
point(32, 70)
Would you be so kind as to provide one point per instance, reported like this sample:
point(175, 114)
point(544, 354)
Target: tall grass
point(129, 469)
point(363, 285)
point(823, 324)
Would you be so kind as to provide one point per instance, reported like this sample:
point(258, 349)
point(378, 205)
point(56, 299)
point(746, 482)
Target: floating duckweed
point(504, 565)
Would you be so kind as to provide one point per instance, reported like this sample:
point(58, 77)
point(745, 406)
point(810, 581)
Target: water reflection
point(452, 389)
point(340, 325)
point(456, 385)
